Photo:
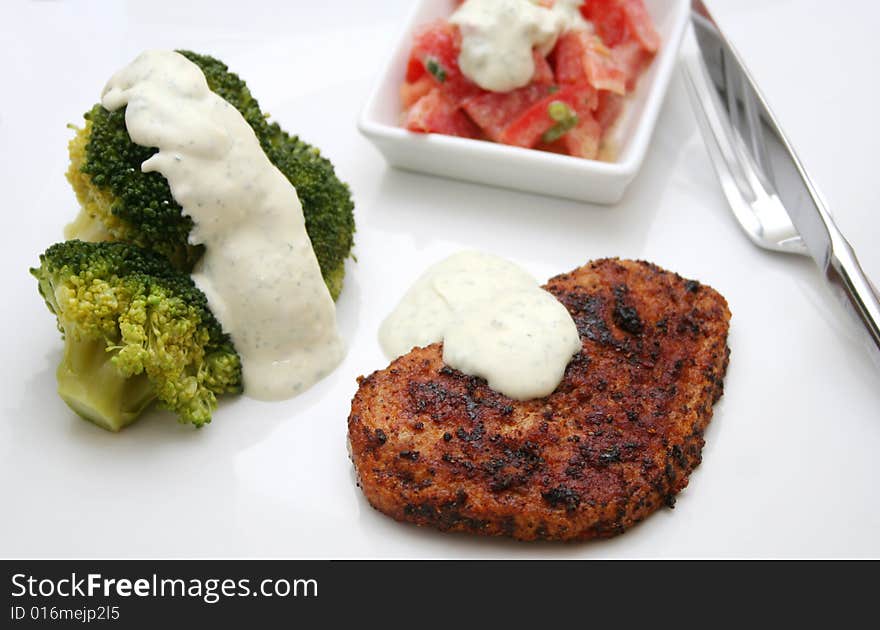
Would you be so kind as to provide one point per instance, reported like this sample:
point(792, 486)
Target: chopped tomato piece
point(608, 110)
point(414, 70)
point(584, 140)
point(436, 113)
point(440, 41)
point(528, 128)
point(639, 23)
point(410, 92)
point(568, 60)
point(436, 46)
point(632, 59)
point(584, 98)
point(532, 124)
point(493, 111)
point(601, 68)
point(582, 57)
point(608, 18)
point(618, 21)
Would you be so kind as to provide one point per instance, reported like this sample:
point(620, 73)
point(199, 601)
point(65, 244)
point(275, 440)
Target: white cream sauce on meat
point(494, 320)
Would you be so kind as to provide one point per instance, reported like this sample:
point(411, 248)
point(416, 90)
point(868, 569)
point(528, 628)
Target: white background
point(790, 467)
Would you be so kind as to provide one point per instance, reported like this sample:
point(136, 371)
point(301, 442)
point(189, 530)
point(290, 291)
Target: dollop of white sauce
point(259, 271)
point(498, 37)
point(494, 320)
point(434, 301)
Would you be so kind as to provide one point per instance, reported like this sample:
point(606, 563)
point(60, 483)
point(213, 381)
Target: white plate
point(513, 167)
point(790, 466)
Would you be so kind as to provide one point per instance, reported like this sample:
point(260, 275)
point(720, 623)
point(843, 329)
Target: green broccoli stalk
point(135, 330)
point(120, 203)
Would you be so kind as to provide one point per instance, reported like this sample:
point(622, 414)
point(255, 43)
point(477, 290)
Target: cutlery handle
point(855, 290)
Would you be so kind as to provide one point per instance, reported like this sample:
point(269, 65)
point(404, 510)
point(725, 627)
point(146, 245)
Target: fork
point(744, 143)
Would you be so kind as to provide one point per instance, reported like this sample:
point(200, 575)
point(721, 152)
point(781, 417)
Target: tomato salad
point(588, 55)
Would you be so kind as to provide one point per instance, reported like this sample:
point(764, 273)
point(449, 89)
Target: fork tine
point(730, 91)
point(717, 133)
point(751, 197)
point(721, 153)
point(756, 138)
point(745, 125)
point(776, 229)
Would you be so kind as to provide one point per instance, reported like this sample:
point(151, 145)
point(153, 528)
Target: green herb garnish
point(566, 119)
point(434, 67)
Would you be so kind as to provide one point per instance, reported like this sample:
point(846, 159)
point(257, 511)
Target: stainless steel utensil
point(764, 182)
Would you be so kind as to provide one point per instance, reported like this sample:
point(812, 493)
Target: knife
point(776, 163)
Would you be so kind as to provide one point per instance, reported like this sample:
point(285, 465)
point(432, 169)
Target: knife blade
point(781, 171)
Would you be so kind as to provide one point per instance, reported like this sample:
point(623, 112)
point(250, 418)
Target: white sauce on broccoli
point(494, 320)
point(259, 271)
point(498, 37)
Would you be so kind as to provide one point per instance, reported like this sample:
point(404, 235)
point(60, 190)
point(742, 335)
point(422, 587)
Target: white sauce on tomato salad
point(494, 320)
point(259, 271)
point(498, 37)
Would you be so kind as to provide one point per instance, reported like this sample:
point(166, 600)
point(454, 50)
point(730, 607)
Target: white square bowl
point(529, 170)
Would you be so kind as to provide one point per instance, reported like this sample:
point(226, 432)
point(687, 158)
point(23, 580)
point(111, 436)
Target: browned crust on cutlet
point(617, 440)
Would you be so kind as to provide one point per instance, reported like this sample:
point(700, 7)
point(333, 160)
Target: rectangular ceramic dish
point(513, 167)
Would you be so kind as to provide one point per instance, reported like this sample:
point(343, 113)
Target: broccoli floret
point(331, 233)
point(120, 203)
point(135, 330)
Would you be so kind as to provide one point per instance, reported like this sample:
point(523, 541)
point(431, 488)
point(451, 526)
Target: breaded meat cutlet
point(617, 440)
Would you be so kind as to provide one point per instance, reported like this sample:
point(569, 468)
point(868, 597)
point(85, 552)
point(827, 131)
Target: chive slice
point(566, 119)
point(434, 67)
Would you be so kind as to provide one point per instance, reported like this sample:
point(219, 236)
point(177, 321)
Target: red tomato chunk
point(437, 113)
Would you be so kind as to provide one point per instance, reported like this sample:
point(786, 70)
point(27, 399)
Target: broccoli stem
point(87, 227)
point(93, 387)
